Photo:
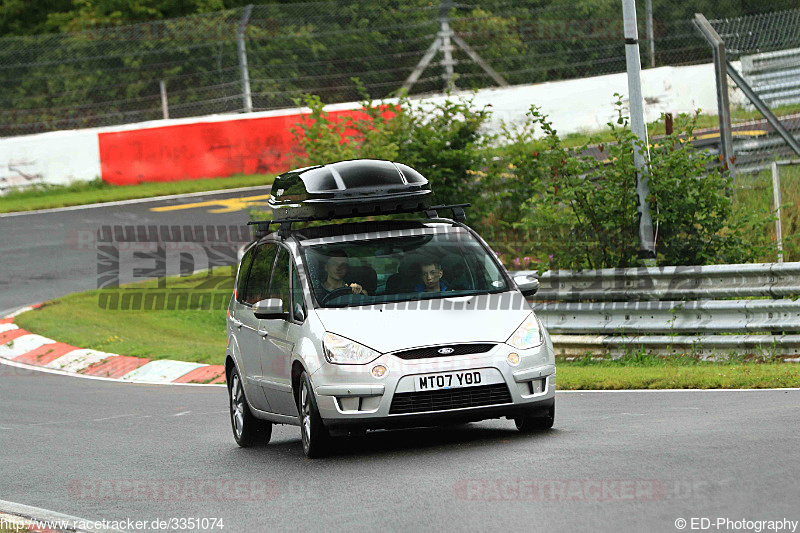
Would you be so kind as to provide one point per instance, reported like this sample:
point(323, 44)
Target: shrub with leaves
point(540, 204)
point(444, 139)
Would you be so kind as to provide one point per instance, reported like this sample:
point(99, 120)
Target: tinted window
point(298, 302)
point(258, 281)
point(279, 287)
point(244, 269)
point(391, 269)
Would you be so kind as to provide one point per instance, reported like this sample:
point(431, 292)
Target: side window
point(258, 281)
point(298, 302)
point(244, 270)
point(279, 287)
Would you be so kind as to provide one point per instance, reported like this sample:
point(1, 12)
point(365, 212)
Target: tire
point(315, 437)
point(247, 429)
point(529, 424)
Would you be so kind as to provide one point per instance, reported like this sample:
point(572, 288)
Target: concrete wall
point(223, 145)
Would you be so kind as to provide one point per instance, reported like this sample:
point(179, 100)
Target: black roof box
point(361, 187)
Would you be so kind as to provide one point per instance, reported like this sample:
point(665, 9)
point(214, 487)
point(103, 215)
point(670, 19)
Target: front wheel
point(312, 430)
point(247, 429)
point(529, 424)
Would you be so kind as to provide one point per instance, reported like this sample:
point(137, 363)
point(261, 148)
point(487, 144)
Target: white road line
point(37, 513)
point(133, 201)
point(44, 370)
point(161, 370)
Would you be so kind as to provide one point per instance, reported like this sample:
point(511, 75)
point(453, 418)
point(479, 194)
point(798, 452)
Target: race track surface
point(615, 461)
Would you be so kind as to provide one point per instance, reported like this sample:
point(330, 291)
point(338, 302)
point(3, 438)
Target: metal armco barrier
point(774, 76)
point(708, 311)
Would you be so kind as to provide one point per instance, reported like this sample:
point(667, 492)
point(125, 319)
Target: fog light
point(379, 371)
point(513, 358)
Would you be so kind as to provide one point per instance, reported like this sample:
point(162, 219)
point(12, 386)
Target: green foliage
point(543, 205)
point(444, 138)
point(693, 208)
point(584, 215)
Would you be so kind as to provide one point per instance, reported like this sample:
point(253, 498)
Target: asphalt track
point(44, 255)
point(615, 461)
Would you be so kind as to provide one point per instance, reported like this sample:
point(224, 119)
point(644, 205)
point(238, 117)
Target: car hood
point(399, 326)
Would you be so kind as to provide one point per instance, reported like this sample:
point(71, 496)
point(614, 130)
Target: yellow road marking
point(223, 206)
point(741, 133)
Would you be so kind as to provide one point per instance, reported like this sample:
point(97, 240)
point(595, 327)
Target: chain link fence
point(768, 47)
point(111, 76)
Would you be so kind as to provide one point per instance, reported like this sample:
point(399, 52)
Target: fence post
point(648, 10)
point(723, 106)
point(164, 105)
point(240, 45)
point(647, 245)
point(776, 202)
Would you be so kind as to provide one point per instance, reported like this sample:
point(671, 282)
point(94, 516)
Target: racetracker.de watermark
point(174, 490)
point(575, 490)
point(560, 490)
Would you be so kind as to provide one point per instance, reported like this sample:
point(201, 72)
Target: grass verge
point(194, 333)
point(743, 375)
point(738, 115)
point(197, 334)
point(83, 193)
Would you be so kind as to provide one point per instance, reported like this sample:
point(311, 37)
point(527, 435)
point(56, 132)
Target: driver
point(431, 274)
point(336, 267)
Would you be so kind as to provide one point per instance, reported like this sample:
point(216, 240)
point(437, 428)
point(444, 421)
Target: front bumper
point(348, 396)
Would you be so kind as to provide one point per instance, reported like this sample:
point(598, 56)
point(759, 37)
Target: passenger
point(336, 267)
point(431, 274)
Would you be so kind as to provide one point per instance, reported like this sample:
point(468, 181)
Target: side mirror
point(269, 308)
point(528, 284)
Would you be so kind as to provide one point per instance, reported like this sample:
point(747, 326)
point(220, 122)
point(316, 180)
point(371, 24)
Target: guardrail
point(708, 311)
point(775, 76)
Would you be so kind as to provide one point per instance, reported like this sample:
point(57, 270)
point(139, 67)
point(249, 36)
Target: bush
point(540, 204)
point(444, 139)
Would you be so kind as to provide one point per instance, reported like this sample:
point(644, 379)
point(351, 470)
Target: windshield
point(396, 269)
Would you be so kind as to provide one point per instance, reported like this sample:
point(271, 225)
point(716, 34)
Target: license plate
point(449, 380)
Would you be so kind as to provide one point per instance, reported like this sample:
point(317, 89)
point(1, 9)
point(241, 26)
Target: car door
point(279, 337)
point(251, 341)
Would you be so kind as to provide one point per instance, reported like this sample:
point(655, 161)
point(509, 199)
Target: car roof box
point(356, 188)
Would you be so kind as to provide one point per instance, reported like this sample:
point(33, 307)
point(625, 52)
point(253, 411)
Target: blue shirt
point(421, 287)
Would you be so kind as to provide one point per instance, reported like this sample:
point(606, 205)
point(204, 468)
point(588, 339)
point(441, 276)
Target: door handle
point(263, 333)
point(237, 323)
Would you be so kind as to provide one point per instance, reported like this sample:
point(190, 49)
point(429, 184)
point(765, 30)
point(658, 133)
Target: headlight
point(341, 351)
point(528, 335)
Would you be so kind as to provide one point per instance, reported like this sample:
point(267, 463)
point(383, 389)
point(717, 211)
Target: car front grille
point(433, 351)
point(447, 399)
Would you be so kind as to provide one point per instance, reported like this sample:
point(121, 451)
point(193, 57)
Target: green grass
point(658, 128)
point(744, 375)
point(83, 193)
point(754, 193)
point(194, 334)
point(639, 370)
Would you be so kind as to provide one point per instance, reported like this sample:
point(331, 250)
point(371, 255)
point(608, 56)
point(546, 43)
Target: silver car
point(346, 327)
